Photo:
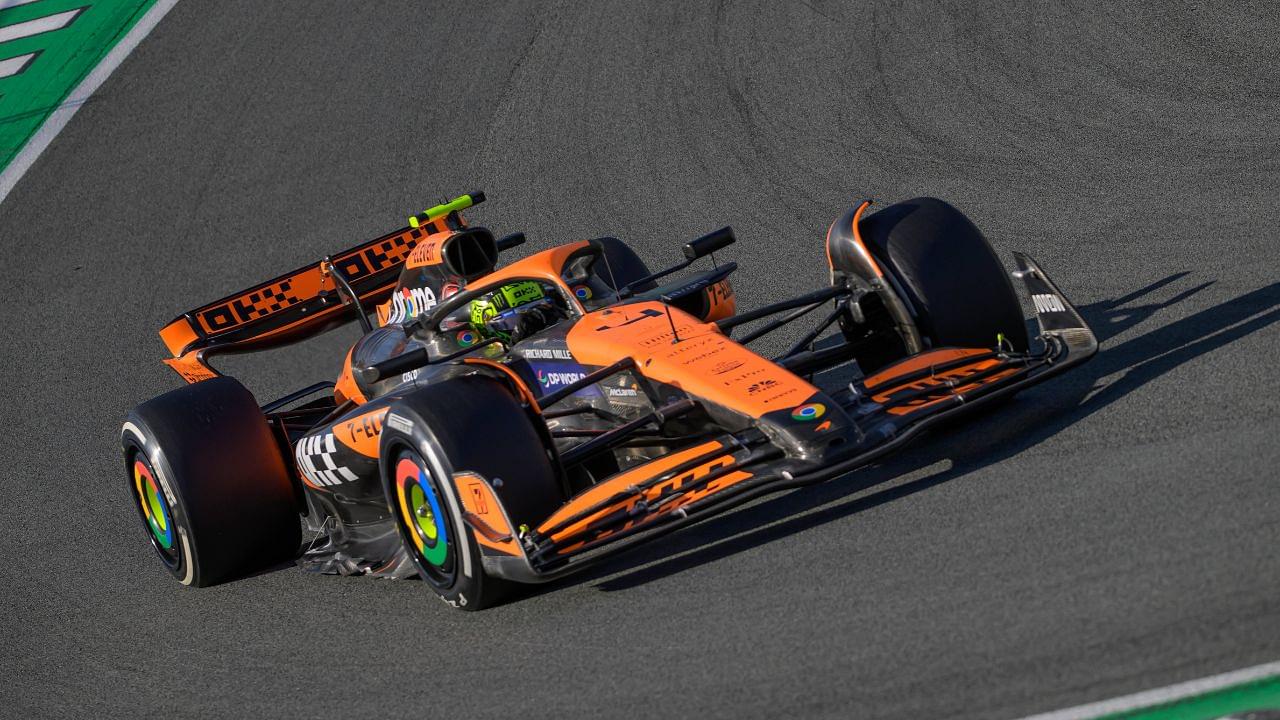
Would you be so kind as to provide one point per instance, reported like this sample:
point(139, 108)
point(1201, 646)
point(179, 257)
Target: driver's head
point(510, 312)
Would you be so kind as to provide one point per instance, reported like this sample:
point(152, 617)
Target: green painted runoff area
point(64, 46)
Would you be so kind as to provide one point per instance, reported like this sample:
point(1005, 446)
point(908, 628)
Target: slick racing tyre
point(466, 424)
point(954, 283)
point(209, 483)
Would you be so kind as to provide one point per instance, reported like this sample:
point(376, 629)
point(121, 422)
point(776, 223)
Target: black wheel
point(620, 265)
point(956, 286)
point(466, 424)
point(209, 483)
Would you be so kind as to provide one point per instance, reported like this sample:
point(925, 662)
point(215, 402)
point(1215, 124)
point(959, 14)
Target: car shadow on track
point(974, 444)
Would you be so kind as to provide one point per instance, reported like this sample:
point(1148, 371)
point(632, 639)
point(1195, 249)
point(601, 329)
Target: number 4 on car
point(497, 426)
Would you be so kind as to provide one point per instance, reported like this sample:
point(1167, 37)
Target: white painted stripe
point(6, 4)
point(1163, 695)
point(14, 65)
point(48, 23)
point(59, 118)
point(347, 475)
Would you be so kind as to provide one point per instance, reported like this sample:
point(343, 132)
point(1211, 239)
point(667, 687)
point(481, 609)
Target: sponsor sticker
point(427, 251)
point(467, 338)
point(555, 376)
point(582, 292)
point(547, 354)
point(558, 379)
point(725, 366)
point(1048, 303)
point(809, 412)
point(409, 303)
point(760, 386)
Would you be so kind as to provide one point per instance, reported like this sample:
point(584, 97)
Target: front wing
point(890, 408)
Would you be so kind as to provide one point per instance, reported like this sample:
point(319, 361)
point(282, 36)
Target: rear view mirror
point(709, 243)
point(506, 242)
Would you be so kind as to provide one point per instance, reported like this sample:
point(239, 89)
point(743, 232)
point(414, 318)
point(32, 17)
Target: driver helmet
point(511, 312)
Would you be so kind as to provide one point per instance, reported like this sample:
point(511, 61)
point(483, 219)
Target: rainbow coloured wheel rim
point(156, 513)
point(426, 524)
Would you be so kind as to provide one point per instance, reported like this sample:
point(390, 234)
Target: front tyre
point(951, 276)
point(470, 424)
point(443, 549)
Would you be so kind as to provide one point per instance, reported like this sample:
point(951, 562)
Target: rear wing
point(302, 303)
point(297, 305)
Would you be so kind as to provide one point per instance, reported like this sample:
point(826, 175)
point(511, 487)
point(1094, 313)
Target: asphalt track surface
point(1110, 531)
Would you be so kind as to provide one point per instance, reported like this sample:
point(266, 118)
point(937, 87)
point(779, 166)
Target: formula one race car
point(513, 425)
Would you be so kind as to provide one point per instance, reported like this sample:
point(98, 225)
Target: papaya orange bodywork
point(191, 367)
point(601, 491)
point(483, 507)
point(648, 471)
point(362, 433)
point(947, 382)
point(427, 251)
point(346, 389)
point(920, 362)
point(703, 362)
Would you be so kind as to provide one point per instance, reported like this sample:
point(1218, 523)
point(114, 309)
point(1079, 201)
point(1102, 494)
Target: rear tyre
point(955, 284)
point(465, 424)
point(209, 483)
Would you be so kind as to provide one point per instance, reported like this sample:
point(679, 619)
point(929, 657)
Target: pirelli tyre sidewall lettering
point(140, 448)
point(404, 430)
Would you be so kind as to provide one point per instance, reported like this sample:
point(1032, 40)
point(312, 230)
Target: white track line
point(14, 65)
point(1163, 695)
point(45, 24)
point(58, 118)
point(6, 4)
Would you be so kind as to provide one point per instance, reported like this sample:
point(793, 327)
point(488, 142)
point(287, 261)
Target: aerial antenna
point(666, 304)
point(605, 255)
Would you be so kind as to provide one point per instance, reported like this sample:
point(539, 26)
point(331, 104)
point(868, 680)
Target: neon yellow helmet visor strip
point(506, 297)
point(459, 203)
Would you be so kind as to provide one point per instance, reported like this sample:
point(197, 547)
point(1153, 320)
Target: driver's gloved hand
point(530, 322)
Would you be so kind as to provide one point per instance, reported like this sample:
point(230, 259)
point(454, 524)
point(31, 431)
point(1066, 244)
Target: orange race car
point(510, 425)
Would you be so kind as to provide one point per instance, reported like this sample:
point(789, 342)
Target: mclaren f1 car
point(494, 426)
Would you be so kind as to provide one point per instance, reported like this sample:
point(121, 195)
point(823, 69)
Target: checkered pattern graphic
point(315, 460)
point(274, 298)
point(264, 301)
